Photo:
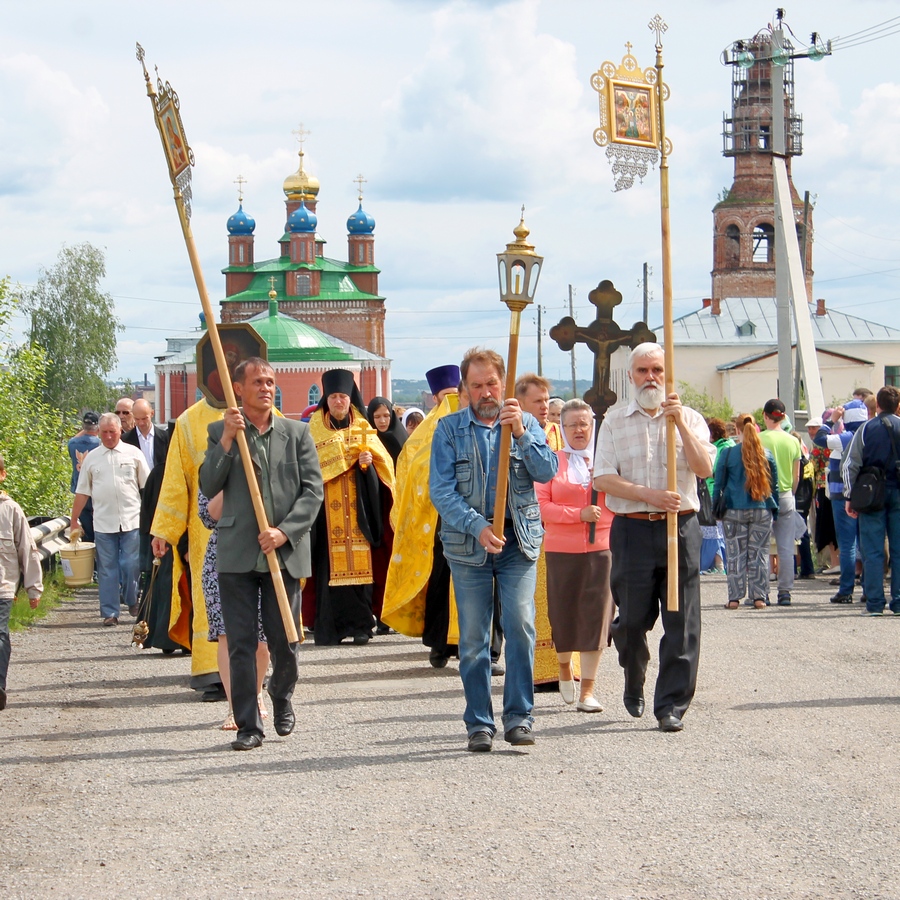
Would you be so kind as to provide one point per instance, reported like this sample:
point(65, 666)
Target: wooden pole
point(506, 431)
point(668, 325)
point(225, 377)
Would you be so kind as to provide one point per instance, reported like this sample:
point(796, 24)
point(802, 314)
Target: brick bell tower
point(743, 219)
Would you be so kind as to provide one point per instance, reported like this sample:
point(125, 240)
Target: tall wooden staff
point(519, 268)
point(662, 92)
point(180, 158)
point(632, 129)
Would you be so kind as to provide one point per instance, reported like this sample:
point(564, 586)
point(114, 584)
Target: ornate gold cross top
point(240, 181)
point(628, 47)
point(656, 24)
point(272, 283)
point(302, 134)
point(359, 181)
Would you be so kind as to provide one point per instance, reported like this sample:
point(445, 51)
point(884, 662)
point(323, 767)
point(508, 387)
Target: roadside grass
point(55, 591)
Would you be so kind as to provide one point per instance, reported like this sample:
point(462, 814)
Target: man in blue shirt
point(463, 480)
point(79, 447)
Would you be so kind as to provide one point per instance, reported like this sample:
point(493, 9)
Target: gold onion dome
point(300, 185)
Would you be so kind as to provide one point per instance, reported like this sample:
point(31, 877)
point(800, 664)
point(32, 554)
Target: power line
point(856, 34)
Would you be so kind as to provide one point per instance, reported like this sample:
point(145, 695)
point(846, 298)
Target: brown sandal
point(733, 604)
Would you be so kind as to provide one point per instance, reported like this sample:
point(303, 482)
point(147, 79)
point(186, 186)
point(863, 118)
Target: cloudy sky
point(456, 113)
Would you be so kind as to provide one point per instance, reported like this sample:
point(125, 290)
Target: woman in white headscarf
point(578, 596)
point(412, 419)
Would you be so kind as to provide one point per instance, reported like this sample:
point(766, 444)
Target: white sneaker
point(589, 704)
point(567, 690)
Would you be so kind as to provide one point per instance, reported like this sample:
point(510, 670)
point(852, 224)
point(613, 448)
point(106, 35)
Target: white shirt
point(146, 445)
point(113, 480)
point(632, 443)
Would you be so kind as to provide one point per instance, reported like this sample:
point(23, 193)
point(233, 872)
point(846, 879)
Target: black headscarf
point(340, 381)
point(395, 436)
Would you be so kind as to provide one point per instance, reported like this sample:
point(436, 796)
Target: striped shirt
point(632, 444)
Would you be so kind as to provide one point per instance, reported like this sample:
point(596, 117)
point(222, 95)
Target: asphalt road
point(116, 782)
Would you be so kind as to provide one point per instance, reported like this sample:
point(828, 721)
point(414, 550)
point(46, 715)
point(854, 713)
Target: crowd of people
point(379, 522)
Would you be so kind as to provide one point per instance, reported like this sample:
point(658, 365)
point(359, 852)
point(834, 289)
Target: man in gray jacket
point(289, 477)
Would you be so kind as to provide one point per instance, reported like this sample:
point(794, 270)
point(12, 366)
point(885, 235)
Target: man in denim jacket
point(463, 478)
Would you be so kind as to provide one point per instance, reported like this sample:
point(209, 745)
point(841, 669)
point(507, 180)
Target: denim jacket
point(459, 492)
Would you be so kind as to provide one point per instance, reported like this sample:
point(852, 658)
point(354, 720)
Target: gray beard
point(488, 408)
point(650, 397)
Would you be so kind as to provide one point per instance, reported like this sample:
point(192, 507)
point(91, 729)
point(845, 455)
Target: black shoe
point(784, 598)
point(480, 742)
point(383, 629)
point(360, 639)
point(497, 669)
point(520, 736)
point(634, 705)
point(283, 717)
point(842, 598)
point(248, 741)
point(214, 693)
point(437, 659)
point(670, 722)
point(2, 699)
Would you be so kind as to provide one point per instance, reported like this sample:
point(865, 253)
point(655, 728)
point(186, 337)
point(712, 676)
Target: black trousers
point(240, 592)
point(638, 581)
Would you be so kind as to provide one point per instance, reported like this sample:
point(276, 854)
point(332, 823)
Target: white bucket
point(77, 563)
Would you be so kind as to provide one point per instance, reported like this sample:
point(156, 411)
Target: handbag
point(867, 493)
point(705, 515)
point(719, 506)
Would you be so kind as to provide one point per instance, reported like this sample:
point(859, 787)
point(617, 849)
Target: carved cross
point(603, 336)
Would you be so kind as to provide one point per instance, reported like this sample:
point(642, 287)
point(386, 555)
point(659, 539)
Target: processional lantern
point(519, 269)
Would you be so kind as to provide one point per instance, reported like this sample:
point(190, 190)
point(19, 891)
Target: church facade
point(315, 313)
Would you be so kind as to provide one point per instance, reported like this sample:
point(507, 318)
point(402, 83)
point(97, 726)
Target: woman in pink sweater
point(578, 596)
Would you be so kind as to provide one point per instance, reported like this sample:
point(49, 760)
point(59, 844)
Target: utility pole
point(646, 293)
point(572, 314)
point(540, 370)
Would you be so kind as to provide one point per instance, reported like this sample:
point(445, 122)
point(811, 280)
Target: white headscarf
point(409, 412)
point(580, 461)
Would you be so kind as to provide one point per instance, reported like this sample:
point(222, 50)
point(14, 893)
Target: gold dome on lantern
point(300, 185)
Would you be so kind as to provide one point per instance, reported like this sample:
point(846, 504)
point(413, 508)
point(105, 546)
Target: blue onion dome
point(240, 222)
point(360, 222)
point(302, 220)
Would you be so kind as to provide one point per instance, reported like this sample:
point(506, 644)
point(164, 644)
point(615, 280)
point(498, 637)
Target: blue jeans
point(118, 569)
point(515, 576)
point(5, 610)
point(873, 527)
point(845, 529)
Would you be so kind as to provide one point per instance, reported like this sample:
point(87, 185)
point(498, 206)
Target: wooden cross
point(603, 336)
point(240, 181)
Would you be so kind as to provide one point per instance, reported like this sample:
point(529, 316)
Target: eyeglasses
point(123, 412)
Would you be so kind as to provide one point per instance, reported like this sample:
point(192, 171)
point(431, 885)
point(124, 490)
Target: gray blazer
point(297, 493)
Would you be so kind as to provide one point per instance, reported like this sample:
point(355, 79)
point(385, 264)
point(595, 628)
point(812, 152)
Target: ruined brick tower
point(744, 232)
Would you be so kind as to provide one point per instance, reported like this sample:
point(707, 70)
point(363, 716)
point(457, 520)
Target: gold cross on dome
point(628, 47)
point(272, 282)
point(302, 134)
point(240, 181)
point(359, 181)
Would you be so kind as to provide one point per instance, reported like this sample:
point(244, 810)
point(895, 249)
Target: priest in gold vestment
point(533, 394)
point(177, 513)
point(358, 473)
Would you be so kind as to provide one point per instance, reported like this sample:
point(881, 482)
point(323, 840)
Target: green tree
point(704, 403)
point(74, 321)
point(37, 462)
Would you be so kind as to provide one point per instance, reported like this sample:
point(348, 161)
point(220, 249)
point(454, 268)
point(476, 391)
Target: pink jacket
point(561, 504)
